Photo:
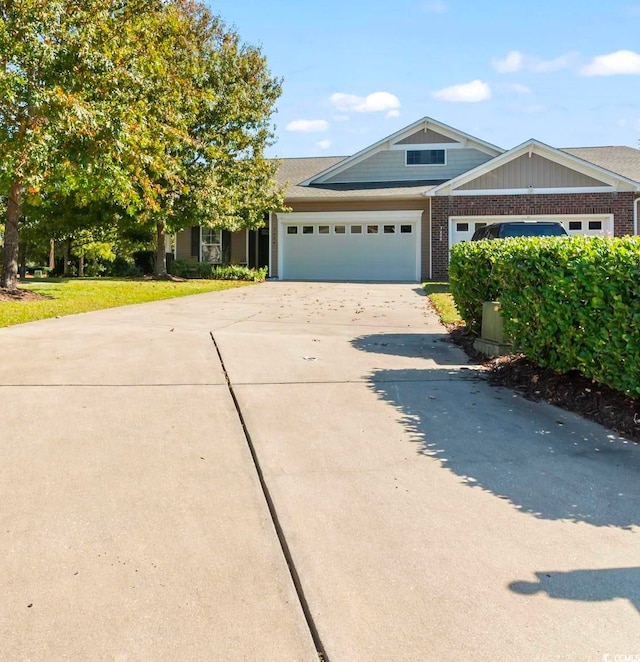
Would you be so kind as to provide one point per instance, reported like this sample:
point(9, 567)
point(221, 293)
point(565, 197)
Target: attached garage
point(461, 228)
point(354, 246)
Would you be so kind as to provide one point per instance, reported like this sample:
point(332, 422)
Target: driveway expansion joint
point(295, 577)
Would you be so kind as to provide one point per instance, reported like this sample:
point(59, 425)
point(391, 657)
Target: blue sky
point(565, 72)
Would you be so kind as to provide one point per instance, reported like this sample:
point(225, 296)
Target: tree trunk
point(161, 253)
point(22, 252)
point(52, 254)
point(9, 278)
point(67, 258)
point(81, 266)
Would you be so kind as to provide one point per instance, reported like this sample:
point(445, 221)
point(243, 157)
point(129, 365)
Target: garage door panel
point(390, 255)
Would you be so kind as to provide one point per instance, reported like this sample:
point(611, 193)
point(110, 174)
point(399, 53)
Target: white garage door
point(350, 246)
point(462, 228)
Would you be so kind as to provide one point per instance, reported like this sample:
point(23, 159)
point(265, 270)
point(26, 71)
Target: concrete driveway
point(262, 473)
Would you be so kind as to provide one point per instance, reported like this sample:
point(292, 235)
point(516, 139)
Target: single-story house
point(392, 211)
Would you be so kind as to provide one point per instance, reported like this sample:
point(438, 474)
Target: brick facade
point(618, 204)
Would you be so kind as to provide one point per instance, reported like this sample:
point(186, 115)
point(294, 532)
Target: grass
point(442, 300)
point(72, 296)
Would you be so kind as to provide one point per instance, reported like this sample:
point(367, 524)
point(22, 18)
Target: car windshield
point(533, 230)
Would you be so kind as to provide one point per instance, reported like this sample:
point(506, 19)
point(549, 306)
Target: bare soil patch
point(571, 391)
point(19, 295)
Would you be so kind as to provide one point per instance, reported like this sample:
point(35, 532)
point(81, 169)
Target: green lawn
point(443, 302)
point(71, 296)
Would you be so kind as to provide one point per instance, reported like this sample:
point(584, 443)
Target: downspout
point(635, 216)
point(270, 270)
point(430, 238)
point(430, 198)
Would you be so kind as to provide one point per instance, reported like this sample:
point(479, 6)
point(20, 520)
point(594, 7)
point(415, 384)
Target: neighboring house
point(392, 211)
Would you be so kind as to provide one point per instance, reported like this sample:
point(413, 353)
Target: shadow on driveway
point(434, 346)
point(585, 585)
point(542, 460)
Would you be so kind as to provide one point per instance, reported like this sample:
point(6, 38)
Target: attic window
point(426, 157)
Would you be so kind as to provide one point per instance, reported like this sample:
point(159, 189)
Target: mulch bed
point(19, 295)
point(571, 391)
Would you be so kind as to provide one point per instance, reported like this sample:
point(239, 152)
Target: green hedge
point(191, 269)
point(568, 303)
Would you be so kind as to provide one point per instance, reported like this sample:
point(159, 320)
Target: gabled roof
point(293, 171)
point(615, 180)
point(623, 160)
point(424, 123)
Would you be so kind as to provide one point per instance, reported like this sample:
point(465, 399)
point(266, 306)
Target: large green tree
point(72, 88)
point(150, 106)
point(210, 106)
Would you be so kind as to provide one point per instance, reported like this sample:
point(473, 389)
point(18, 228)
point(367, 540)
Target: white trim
point(200, 244)
point(635, 216)
point(175, 246)
point(280, 235)
point(536, 191)
point(419, 248)
point(498, 218)
point(530, 147)
point(425, 123)
point(246, 248)
point(430, 240)
point(419, 146)
point(401, 216)
point(328, 217)
point(270, 265)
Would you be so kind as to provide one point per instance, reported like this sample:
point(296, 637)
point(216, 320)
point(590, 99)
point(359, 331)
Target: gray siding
point(389, 166)
point(533, 171)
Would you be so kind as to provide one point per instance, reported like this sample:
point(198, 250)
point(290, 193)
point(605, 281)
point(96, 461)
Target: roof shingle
point(622, 160)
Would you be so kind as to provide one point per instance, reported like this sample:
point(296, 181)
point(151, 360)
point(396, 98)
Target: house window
point(595, 225)
point(292, 229)
point(307, 229)
point(389, 229)
point(406, 229)
point(323, 229)
point(211, 240)
point(426, 157)
point(339, 229)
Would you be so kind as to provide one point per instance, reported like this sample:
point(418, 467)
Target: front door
point(259, 248)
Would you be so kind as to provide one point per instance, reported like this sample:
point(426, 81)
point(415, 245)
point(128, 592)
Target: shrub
point(568, 304)
point(185, 268)
point(238, 272)
point(472, 277)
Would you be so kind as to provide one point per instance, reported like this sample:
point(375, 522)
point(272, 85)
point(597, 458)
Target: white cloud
point(323, 144)
point(539, 66)
point(613, 64)
point(472, 92)
point(510, 64)
point(435, 7)
point(308, 126)
point(391, 114)
point(377, 102)
point(516, 61)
